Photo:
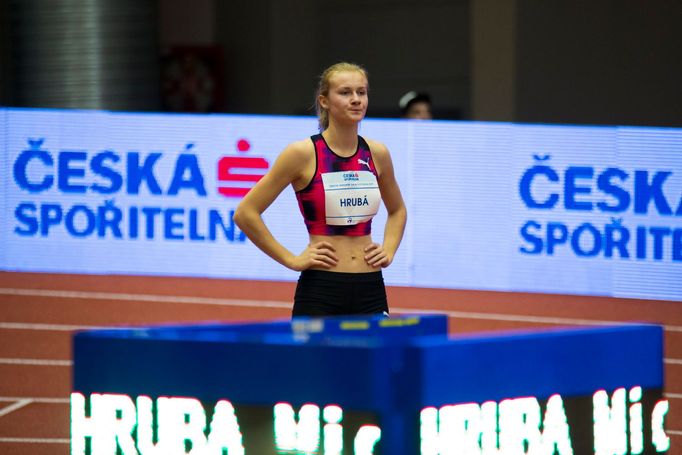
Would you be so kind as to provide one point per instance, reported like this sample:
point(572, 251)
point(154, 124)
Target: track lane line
point(521, 318)
point(36, 362)
point(37, 440)
point(48, 327)
point(15, 406)
point(144, 298)
point(38, 400)
point(287, 305)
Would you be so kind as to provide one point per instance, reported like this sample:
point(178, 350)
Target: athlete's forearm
point(393, 231)
point(251, 223)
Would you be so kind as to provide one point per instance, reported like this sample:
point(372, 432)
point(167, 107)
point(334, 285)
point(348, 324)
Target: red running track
point(39, 312)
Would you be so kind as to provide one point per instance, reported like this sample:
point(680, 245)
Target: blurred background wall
point(93, 54)
point(562, 61)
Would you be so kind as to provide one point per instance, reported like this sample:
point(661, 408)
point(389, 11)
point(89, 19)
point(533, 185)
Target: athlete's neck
point(343, 140)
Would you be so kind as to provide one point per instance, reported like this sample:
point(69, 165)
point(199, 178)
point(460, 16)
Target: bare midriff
point(350, 251)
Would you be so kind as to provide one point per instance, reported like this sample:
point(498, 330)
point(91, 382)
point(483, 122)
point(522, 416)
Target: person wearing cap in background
point(416, 105)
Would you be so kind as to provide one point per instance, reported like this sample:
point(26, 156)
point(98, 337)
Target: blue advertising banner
point(491, 206)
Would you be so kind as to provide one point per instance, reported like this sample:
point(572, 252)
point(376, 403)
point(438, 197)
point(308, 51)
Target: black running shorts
point(323, 293)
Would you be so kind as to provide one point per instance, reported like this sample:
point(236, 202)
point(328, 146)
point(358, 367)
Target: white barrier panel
point(492, 206)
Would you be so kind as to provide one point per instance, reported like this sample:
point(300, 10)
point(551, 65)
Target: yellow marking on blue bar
point(354, 325)
point(399, 322)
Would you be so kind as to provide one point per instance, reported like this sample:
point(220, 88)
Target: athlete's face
point(347, 99)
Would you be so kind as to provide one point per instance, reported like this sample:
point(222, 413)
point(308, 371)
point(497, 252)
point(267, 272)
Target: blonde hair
point(323, 88)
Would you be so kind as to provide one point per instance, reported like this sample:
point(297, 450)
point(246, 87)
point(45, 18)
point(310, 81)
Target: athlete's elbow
point(239, 217)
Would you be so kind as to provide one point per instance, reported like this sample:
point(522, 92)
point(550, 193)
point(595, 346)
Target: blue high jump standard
point(367, 385)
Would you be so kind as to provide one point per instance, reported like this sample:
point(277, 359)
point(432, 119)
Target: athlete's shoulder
point(377, 147)
point(301, 150)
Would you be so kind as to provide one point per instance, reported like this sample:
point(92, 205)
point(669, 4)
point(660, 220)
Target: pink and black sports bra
point(343, 195)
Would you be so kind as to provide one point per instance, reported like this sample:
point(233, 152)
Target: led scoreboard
point(367, 386)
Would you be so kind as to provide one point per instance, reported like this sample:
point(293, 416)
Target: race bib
point(351, 197)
